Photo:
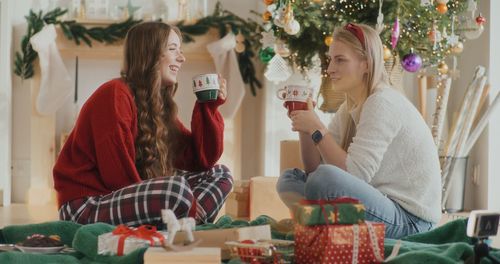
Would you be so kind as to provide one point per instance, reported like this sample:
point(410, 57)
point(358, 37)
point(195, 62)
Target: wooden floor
point(21, 214)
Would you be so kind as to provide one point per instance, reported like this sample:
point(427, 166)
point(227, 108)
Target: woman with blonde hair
point(377, 148)
point(129, 155)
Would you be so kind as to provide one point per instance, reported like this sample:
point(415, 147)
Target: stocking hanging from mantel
point(56, 83)
point(226, 64)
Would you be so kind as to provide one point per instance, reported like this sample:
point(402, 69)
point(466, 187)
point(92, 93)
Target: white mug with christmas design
point(206, 87)
point(295, 96)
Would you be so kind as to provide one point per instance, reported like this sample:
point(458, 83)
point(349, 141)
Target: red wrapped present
point(360, 243)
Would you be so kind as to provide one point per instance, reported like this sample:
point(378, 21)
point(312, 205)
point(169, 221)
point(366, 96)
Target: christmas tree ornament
point(266, 16)
point(444, 2)
point(387, 53)
point(452, 39)
point(266, 54)
point(278, 70)
point(239, 48)
point(411, 62)
point(442, 8)
point(474, 32)
point(443, 68)
point(425, 2)
point(268, 39)
point(288, 14)
point(432, 34)
point(480, 20)
point(281, 48)
point(328, 40)
point(457, 48)
point(268, 2)
point(293, 27)
point(380, 18)
point(240, 43)
point(395, 33)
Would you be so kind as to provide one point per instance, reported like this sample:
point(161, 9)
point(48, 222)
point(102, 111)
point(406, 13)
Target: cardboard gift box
point(290, 155)
point(343, 210)
point(264, 199)
point(359, 243)
point(124, 239)
point(218, 237)
point(201, 255)
point(238, 201)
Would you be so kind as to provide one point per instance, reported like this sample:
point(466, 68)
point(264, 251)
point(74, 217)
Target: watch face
point(317, 136)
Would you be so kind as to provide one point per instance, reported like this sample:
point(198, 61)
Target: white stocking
point(56, 83)
point(226, 64)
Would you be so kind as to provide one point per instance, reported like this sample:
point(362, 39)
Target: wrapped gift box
point(199, 255)
point(218, 237)
point(124, 240)
point(343, 210)
point(363, 243)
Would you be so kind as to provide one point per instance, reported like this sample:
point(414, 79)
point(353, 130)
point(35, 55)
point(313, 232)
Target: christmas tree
point(410, 29)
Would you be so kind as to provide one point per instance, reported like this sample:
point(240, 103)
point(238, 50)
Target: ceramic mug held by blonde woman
point(295, 96)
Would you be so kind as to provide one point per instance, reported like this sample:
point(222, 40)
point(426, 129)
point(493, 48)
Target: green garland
point(222, 20)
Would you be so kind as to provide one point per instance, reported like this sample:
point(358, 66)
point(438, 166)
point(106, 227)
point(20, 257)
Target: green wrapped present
point(343, 210)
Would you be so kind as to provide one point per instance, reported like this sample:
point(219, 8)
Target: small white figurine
point(186, 224)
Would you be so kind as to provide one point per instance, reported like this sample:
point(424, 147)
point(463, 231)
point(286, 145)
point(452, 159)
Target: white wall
point(484, 155)
point(494, 125)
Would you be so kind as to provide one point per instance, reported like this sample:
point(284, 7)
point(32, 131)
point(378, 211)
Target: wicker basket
point(332, 99)
point(394, 72)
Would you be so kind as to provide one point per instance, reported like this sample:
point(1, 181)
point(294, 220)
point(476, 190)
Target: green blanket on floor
point(446, 244)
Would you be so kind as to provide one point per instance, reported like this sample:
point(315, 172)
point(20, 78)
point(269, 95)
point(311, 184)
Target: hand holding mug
point(306, 121)
point(222, 87)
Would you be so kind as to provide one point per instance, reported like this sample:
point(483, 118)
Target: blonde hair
point(372, 51)
point(158, 134)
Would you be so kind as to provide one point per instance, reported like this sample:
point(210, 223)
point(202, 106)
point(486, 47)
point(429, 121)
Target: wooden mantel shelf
point(195, 51)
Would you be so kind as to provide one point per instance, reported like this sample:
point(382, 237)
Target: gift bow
point(146, 232)
point(321, 203)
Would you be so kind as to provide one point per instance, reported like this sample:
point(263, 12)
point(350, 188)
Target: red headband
point(356, 31)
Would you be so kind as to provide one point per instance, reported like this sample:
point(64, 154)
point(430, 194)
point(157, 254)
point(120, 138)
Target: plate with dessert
point(42, 244)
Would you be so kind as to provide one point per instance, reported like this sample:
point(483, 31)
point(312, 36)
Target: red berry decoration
point(480, 19)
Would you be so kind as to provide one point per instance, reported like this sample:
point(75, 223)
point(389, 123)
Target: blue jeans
point(329, 182)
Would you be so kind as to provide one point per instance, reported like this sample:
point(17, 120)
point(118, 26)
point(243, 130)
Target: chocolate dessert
point(38, 240)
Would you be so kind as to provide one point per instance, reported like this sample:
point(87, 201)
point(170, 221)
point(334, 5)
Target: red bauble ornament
point(480, 19)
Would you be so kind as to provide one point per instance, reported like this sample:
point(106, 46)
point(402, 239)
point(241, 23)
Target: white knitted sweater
point(393, 150)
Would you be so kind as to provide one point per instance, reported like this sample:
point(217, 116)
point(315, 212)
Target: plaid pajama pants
point(199, 194)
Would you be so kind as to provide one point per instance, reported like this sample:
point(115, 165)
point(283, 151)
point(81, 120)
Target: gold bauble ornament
point(328, 40)
point(442, 8)
point(240, 47)
point(457, 48)
point(387, 53)
point(266, 16)
point(442, 68)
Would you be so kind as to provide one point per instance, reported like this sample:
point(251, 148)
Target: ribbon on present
point(336, 201)
point(146, 232)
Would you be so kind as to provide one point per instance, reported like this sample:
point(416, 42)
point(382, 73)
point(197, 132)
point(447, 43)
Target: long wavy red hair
point(157, 141)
